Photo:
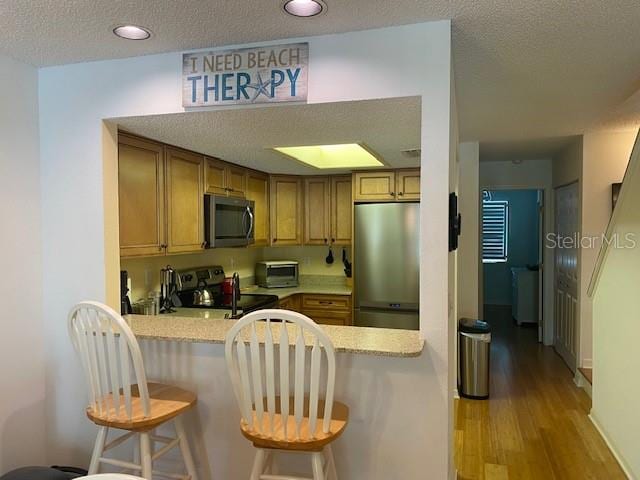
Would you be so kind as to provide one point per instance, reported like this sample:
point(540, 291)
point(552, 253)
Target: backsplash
point(145, 272)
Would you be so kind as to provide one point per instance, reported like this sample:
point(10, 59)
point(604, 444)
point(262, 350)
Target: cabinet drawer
point(326, 302)
point(327, 317)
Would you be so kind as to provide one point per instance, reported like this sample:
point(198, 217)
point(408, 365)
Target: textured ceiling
point(520, 150)
point(243, 136)
point(524, 69)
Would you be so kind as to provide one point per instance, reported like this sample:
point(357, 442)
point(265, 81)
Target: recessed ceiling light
point(132, 32)
point(346, 155)
point(304, 8)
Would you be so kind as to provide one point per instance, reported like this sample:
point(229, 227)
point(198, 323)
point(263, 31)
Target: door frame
point(543, 282)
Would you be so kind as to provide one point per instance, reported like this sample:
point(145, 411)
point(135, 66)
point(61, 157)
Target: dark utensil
point(329, 258)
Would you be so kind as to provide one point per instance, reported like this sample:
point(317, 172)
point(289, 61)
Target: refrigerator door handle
point(393, 306)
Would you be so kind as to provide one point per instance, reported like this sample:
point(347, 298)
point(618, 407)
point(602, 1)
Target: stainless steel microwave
point(228, 222)
point(281, 273)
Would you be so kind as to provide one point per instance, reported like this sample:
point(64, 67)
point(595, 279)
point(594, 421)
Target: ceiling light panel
point(347, 155)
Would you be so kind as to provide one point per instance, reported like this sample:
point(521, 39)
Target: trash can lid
point(471, 325)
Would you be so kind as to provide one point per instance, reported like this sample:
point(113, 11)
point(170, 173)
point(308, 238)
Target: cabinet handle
point(275, 240)
point(393, 194)
point(400, 194)
point(325, 302)
point(325, 241)
point(333, 240)
point(163, 245)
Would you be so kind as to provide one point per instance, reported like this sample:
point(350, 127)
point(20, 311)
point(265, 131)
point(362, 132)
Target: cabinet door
point(286, 210)
point(290, 303)
point(376, 186)
point(185, 201)
point(317, 211)
point(341, 210)
point(408, 184)
point(236, 181)
point(215, 178)
point(258, 191)
point(141, 197)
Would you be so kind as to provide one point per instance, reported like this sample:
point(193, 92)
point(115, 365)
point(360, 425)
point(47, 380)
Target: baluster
point(256, 373)
point(284, 375)
point(113, 368)
point(244, 377)
point(313, 389)
point(299, 381)
point(269, 364)
point(125, 369)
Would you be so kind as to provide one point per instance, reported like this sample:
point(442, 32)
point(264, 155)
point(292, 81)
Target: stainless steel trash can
point(474, 346)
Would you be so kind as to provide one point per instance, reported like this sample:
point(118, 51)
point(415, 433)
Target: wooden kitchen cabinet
point(258, 191)
point(141, 197)
point(408, 184)
point(317, 211)
point(378, 186)
point(327, 309)
point(386, 186)
point(184, 198)
point(222, 178)
point(292, 303)
point(341, 209)
point(328, 210)
point(285, 205)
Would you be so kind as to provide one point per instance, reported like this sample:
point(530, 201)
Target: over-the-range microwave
point(282, 273)
point(228, 222)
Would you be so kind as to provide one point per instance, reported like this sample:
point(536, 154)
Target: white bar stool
point(278, 414)
point(112, 362)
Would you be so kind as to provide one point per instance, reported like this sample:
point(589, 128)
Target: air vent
point(411, 153)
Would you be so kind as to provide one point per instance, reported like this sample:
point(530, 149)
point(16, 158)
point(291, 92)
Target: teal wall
point(522, 247)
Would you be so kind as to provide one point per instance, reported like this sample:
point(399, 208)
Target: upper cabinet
point(408, 184)
point(317, 211)
point(222, 178)
point(160, 199)
point(286, 210)
point(328, 210)
point(386, 186)
point(185, 205)
point(141, 197)
point(341, 210)
point(258, 191)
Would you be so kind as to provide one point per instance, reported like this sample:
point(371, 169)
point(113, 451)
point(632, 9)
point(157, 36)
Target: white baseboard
point(587, 363)
point(625, 468)
point(456, 395)
point(583, 383)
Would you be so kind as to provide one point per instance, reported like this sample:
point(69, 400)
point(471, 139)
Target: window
point(495, 230)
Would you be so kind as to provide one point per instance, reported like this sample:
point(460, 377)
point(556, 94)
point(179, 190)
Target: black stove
point(211, 279)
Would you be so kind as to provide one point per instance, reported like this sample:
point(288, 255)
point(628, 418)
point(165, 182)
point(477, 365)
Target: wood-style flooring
point(535, 424)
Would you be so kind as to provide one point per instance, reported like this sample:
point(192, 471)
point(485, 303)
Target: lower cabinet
point(323, 309)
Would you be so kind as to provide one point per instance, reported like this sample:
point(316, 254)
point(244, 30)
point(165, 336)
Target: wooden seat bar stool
point(270, 368)
point(120, 396)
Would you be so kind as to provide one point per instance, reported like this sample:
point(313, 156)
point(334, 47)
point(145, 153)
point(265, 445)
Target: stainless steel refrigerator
point(387, 265)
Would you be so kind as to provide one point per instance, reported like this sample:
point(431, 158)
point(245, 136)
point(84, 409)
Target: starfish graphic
point(260, 88)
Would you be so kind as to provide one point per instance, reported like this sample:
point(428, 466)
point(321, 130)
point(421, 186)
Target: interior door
point(566, 272)
point(541, 265)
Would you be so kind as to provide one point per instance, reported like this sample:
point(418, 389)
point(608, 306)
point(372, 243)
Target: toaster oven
point(275, 274)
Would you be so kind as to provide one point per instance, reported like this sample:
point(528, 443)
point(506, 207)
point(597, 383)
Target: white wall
point(469, 271)
point(616, 329)
point(22, 422)
point(605, 158)
point(400, 61)
point(528, 174)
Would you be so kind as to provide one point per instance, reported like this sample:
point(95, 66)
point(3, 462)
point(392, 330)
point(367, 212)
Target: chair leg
point(258, 465)
point(317, 460)
point(145, 455)
point(184, 448)
point(331, 464)
point(98, 448)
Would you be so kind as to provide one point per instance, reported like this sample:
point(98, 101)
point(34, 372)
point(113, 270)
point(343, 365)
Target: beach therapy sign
point(249, 75)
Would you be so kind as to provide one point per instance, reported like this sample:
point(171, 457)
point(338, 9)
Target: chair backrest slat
point(253, 378)
point(270, 374)
point(106, 347)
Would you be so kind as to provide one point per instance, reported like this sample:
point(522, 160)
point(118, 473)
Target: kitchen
point(222, 222)
point(387, 382)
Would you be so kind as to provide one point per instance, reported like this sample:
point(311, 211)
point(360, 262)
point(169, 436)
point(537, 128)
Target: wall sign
point(249, 75)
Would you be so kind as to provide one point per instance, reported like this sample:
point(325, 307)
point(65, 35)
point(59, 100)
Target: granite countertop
point(362, 340)
point(313, 284)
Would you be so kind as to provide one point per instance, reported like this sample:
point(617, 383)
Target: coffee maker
point(125, 301)
point(169, 286)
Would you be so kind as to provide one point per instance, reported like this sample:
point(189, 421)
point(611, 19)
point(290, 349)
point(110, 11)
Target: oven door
point(229, 222)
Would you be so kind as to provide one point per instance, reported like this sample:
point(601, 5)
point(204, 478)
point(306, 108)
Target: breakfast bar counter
point(346, 339)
